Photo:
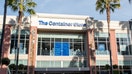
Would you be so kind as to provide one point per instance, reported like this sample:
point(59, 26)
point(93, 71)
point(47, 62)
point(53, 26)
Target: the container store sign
point(61, 23)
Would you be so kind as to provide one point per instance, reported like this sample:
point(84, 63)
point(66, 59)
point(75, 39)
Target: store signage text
point(52, 23)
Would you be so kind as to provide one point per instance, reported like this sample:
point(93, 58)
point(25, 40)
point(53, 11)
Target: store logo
point(41, 22)
point(52, 23)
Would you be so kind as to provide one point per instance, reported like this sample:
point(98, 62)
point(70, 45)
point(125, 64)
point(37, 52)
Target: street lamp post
point(130, 24)
point(130, 35)
point(130, 31)
point(2, 35)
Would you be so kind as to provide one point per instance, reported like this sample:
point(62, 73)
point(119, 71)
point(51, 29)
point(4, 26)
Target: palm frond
point(22, 5)
point(13, 7)
point(24, 8)
point(31, 11)
point(101, 11)
point(112, 9)
point(115, 1)
point(102, 5)
point(115, 5)
point(31, 4)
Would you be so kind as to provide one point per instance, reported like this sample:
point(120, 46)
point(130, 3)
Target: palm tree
point(108, 6)
point(21, 6)
point(6, 61)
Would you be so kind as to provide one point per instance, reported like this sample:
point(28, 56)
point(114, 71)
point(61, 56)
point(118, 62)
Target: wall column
point(91, 51)
point(6, 41)
point(113, 46)
point(3, 69)
point(32, 49)
point(5, 47)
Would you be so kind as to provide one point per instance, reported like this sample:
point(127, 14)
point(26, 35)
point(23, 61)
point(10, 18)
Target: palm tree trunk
point(18, 41)
point(108, 22)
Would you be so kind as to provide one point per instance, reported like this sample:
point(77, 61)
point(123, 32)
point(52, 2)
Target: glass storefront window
point(101, 43)
point(61, 64)
point(24, 42)
point(47, 64)
point(21, 61)
point(102, 62)
point(60, 44)
point(123, 44)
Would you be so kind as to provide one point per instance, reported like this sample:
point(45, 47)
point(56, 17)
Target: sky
point(77, 7)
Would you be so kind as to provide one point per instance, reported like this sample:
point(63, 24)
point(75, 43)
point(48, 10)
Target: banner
point(61, 49)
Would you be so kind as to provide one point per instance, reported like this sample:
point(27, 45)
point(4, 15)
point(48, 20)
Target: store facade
point(61, 44)
point(67, 44)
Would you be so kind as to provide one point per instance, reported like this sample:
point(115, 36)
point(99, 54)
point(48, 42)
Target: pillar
point(32, 49)
point(91, 51)
point(6, 41)
point(113, 45)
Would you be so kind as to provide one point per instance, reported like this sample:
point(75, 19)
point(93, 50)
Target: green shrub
point(115, 66)
point(21, 66)
point(12, 66)
point(107, 66)
point(5, 61)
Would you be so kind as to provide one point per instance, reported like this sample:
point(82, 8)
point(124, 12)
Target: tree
point(5, 61)
point(115, 67)
point(12, 68)
point(108, 6)
point(21, 6)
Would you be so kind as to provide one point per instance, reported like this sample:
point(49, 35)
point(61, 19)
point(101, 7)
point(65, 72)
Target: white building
point(68, 44)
